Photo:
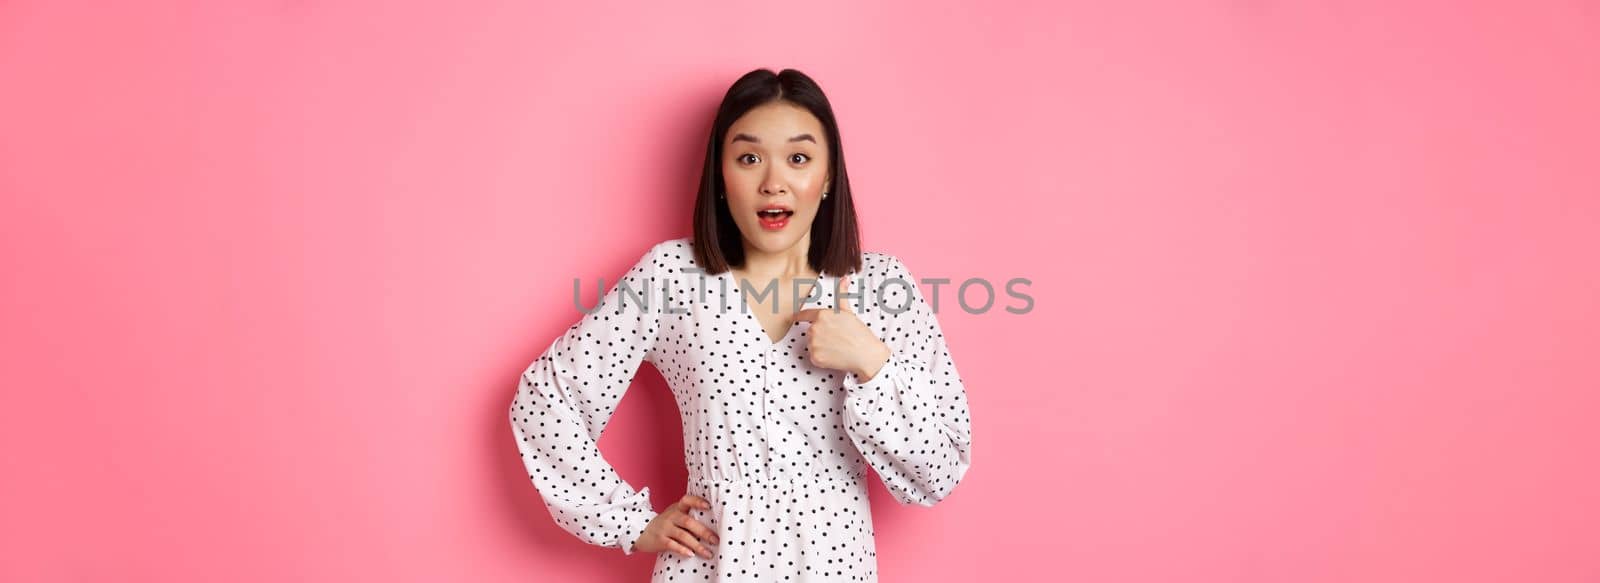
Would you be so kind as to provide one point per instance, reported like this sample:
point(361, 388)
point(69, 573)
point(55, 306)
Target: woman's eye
point(801, 156)
point(752, 159)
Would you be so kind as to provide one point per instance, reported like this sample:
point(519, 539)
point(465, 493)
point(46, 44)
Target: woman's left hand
point(841, 341)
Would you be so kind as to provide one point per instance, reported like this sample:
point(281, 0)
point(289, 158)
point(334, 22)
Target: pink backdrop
point(1316, 283)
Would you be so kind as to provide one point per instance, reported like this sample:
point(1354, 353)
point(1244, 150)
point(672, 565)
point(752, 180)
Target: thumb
point(838, 295)
point(807, 315)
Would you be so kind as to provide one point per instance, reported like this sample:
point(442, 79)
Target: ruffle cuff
point(852, 384)
point(638, 515)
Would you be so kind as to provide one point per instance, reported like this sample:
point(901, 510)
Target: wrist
point(873, 364)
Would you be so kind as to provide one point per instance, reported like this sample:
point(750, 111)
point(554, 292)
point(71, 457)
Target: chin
point(774, 242)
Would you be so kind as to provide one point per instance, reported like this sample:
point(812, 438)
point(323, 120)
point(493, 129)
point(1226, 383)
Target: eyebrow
point(743, 137)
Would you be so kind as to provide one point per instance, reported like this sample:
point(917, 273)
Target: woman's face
point(775, 156)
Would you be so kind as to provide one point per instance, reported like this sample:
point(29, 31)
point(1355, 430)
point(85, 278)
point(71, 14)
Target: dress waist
point(782, 482)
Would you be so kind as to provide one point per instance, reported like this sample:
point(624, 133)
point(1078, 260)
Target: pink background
point(1316, 283)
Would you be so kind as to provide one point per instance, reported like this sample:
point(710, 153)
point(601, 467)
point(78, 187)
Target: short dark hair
point(835, 237)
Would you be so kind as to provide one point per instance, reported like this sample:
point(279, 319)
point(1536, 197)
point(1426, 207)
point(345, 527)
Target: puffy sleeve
point(910, 421)
point(565, 399)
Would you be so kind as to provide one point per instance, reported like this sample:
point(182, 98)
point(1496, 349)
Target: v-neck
point(754, 323)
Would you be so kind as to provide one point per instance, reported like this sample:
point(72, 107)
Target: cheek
point(813, 194)
point(814, 183)
point(733, 174)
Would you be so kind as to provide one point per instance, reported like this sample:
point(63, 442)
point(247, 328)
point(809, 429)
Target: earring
point(824, 195)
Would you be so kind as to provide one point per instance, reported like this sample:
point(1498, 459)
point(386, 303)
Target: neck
point(782, 265)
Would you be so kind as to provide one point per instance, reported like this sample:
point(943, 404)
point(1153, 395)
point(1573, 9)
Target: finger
point(678, 547)
point(687, 539)
point(684, 504)
point(697, 501)
point(838, 295)
point(699, 529)
point(807, 315)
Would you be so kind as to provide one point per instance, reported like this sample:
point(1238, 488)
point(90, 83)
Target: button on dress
point(780, 448)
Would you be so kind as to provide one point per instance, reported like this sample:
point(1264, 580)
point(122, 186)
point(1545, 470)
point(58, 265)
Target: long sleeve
point(911, 421)
point(565, 399)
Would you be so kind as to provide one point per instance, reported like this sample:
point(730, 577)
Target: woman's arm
point(910, 419)
point(565, 399)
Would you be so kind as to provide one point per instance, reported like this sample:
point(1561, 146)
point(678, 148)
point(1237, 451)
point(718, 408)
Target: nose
point(772, 186)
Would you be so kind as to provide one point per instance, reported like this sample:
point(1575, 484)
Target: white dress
point(777, 446)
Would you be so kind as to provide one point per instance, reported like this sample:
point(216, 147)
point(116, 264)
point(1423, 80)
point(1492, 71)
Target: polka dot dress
point(780, 448)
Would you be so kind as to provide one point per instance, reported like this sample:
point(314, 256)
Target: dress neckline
point(747, 313)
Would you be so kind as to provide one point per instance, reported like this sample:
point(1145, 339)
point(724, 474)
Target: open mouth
point(774, 218)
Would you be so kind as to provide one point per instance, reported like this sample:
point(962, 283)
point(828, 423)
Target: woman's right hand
point(673, 529)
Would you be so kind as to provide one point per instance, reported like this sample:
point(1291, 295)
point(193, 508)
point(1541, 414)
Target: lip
point(774, 224)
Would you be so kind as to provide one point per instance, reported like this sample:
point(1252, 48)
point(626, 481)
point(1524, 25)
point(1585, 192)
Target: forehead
point(776, 122)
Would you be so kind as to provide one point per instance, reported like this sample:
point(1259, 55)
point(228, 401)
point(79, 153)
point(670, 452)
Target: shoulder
point(879, 265)
point(885, 277)
point(670, 256)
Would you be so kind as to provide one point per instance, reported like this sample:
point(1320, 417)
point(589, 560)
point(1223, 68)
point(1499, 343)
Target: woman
point(782, 409)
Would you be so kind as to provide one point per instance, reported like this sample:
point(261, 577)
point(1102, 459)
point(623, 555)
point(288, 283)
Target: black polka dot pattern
point(780, 448)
